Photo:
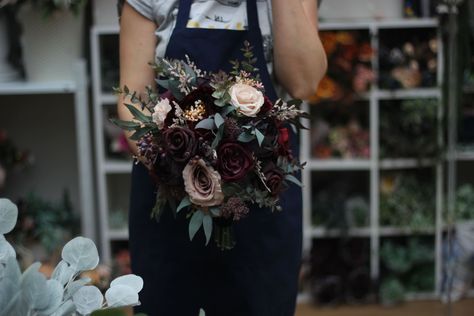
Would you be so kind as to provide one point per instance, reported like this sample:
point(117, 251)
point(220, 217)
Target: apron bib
point(258, 277)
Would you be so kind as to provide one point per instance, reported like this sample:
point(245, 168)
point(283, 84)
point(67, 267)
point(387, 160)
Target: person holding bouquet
point(259, 275)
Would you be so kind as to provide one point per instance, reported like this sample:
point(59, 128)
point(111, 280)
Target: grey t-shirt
point(224, 14)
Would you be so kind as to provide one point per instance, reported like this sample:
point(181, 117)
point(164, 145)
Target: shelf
point(400, 231)
point(25, 88)
point(405, 163)
point(428, 296)
point(361, 24)
point(337, 232)
point(420, 93)
point(118, 234)
point(108, 98)
point(339, 164)
point(117, 166)
point(465, 155)
point(105, 29)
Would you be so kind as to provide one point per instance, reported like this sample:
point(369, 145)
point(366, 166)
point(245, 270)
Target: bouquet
point(214, 143)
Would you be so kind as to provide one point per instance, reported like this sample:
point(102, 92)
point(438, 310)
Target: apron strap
point(185, 8)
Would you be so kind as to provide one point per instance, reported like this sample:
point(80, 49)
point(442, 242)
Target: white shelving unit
point(374, 165)
point(77, 88)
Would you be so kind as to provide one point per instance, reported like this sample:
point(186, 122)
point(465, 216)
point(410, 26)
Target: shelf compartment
point(109, 60)
point(408, 128)
point(406, 199)
point(387, 24)
point(339, 271)
point(408, 58)
point(116, 146)
point(340, 199)
point(340, 131)
point(118, 190)
point(407, 268)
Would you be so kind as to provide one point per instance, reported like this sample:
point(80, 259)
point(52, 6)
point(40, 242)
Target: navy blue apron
point(256, 278)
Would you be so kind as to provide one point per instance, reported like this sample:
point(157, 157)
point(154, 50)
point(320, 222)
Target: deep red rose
point(180, 144)
point(234, 161)
point(274, 178)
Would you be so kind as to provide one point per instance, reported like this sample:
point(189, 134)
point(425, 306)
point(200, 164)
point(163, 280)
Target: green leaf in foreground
point(195, 223)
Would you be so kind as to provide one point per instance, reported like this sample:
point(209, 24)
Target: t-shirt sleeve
point(144, 7)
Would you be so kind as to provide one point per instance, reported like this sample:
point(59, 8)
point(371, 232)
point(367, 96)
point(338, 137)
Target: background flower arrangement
point(349, 72)
point(408, 129)
point(408, 59)
point(407, 201)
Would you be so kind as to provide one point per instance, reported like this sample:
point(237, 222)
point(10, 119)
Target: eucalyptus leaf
point(66, 309)
point(88, 299)
point(215, 211)
point(185, 202)
point(207, 224)
point(6, 250)
point(121, 295)
point(63, 272)
point(131, 280)
point(218, 120)
point(260, 137)
point(195, 223)
point(140, 132)
point(206, 123)
point(81, 254)
point(202, 312)
point(8, 216)
point(245, 137)
point(219, 135)
point(33, 288)
point(138, 115)
point(126, 125)
point(228, 109)
point(293, 179)
point(74, 286)
point(55, 293)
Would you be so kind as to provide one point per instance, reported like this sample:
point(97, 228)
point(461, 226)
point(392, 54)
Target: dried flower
point(232, 129)
point(160, 112)
point(234, 209)
point(196, 112)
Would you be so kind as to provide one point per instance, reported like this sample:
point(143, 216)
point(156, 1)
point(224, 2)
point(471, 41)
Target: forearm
point(299, 58)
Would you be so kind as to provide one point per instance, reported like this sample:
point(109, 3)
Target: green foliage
point(409, 203)
point(465, 202)
point(65, 294)
point(392, 292)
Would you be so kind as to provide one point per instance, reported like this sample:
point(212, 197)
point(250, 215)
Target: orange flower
point(327, 89)
point(365, 52)
point(329, 42)
point(345, 38)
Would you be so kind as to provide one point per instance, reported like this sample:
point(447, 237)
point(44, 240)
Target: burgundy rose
point(274, 178)
point(180, 143)
point(234, 161)
point(267, 106)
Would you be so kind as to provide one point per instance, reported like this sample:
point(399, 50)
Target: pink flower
point(246, 99)
point(202, 183)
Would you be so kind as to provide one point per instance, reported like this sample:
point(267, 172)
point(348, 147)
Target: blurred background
point(389, 184)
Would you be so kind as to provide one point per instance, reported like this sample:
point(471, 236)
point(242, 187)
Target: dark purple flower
point(234, 209)
point(234, 161)
point(180, 144)
point(274, 178)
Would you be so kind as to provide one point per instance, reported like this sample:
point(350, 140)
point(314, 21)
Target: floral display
point(407, 268)
point(408, 129)
point(339, 133)
point(406, 201)
point(408, 59)
point(215, 143)
point(350, 73)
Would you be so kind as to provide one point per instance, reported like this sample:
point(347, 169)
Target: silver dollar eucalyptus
point(66, 293)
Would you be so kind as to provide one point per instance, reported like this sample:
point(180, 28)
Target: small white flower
point(246, 99)
point(160, 112)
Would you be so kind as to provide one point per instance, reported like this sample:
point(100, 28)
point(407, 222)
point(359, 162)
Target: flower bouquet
point(214, 143)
